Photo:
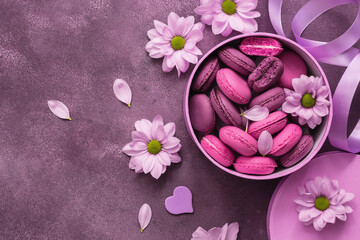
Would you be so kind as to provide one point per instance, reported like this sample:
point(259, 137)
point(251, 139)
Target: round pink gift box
point(314, 67)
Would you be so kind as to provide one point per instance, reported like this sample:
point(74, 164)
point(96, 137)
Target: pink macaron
point(233, 86)
point(227, 111)
point(236, 60)
point(261, 46)
point(298, 152)
point(255, 165)
point(286, 139)
point(206, 75)
point(238, 140)
point(273, 124)
point(266, 74)
point(217, 150)
point(294, 67)
point(272, 99)
point(202, 115)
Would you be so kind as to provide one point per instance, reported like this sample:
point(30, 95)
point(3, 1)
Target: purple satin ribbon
point(337, 52)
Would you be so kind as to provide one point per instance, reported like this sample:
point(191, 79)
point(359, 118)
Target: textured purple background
point(70, 180)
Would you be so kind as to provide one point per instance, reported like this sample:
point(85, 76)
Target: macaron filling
point(308, 101)
point(177, 43)
point(154, 147)
point(322, 203)
point(229, 7)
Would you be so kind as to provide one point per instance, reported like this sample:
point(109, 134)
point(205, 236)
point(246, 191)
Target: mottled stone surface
point(70, 179)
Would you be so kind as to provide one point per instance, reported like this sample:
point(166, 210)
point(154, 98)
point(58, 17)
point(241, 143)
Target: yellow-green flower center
point(154, 147)
point(308, 101)
point(322, 203)
point(177, 43)
point(229, 7)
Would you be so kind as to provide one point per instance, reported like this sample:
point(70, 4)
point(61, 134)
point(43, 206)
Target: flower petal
point(171, 142)
point(347, 197)
point(59, 109)
point(157, 121)
point(218, 26)
point(338, 209)
point(194, 36)
point(144, 126)
point(256, 113)
point(189, 56)
point(157, 169)
point(149, 163)
point(249, 15)
point(153, 33)
point(139, 136)
point(232, 231)
point(319, 223)
point(168, 63)
point(174, 149)
point(245, 6)
point(175, 157)
point(144, 216)
point(122, 91)
point(159, 26)
point(265, 143)
point(164, 158)
point(329, 215)
point(172, 21)
point(236, 23)
point(302, 84)
point(289, 108)
point(134, 148)
point(159, 134)
point(321, 110)
point(306, 113)
point(170, 129)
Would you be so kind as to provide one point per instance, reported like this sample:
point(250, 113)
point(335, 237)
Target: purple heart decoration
point(180, 202)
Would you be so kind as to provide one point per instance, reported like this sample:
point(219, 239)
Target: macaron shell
point(236, 60)
point(255, 165)
point(261, 46)
point(266, 74)
point(238, 140)
point(224, 108)
point(233, 86)
point(296, 154)
point(294, 67)
point(273, 124)
point(206, 75)
point(286, 139)
point(202, 115)
point(217, 150)
point(272, 99)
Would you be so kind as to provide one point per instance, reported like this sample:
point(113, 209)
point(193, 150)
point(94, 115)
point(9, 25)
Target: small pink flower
point(153, 147)
point(321, 202)
point(176, 42)
point(308, 101)
point(228, 15)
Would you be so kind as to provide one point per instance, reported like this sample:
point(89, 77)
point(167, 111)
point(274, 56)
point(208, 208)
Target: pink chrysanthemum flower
point(321, 202)
point(227, 15)
point(176, 42)
point(307, 101)
point(153, 147)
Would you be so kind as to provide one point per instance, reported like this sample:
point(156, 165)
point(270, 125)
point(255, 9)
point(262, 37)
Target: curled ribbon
point(337, 52)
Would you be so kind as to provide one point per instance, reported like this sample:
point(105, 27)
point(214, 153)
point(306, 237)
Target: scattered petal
point(122, 91)
point(144, 216)
point(59, 109)
point(256, 113)
point(265, 143)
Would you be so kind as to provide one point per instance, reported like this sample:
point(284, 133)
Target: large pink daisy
point(321, 201)
point(227, 15)
point(153, 147)
point(176, 42)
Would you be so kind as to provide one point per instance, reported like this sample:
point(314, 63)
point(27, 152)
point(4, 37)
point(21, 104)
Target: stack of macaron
point(241, 77)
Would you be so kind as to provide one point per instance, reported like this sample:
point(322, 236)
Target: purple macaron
point(266, 75)
point(201, 113)
point(272, 99)
point(236, 60)
point(206, 75)
point(303, 147)
point(225, 109)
